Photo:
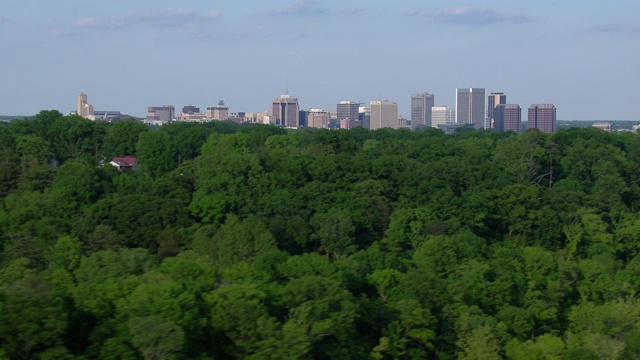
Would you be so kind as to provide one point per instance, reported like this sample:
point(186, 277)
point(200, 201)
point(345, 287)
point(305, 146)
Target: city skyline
point(128, 55)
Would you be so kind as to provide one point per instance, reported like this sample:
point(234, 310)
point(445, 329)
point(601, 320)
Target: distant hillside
point(11, 117)
point(616, 124)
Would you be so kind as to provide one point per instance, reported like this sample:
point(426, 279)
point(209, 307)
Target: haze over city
point(130, 55)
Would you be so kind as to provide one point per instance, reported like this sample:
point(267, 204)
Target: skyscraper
point(493, 100)
point(421, 105)
point(364, 115)
point(470, 107)
point(286, 111)
point(384, 114)
point(347, 110)
point(543, 117)
point(442, 115)
point(84, 108)
point(507, 117)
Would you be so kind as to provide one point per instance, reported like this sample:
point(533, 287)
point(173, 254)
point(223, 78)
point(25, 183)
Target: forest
point(255, 242)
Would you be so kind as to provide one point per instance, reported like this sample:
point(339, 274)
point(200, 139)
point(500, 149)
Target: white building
point(218, 112)
point(442, 115)
point(84, 108)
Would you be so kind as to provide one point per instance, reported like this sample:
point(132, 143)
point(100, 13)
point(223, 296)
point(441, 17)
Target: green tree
point(155, 152)
point(155, 337)
point(121, 138)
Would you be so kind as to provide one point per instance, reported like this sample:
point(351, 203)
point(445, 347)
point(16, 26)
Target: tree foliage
point(255, 242)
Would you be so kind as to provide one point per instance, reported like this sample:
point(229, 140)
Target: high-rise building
point(542, 117)
point(318, 118)
point(302, 117)
point(218, 112)
point(286, 111)
point(493, 100)
point(507, 117)
point(421, 105)
point(161, 114)
point(364, 115)
point(347, 110)
point(348, 115)
point(84, 108)
point(442, 115)
point(470, 107)
point(384, 114)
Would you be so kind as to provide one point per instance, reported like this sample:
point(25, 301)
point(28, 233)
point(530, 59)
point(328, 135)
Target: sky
point(583, 56)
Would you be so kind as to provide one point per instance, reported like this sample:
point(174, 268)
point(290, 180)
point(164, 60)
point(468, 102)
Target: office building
point(160, 114)
point(507, 117)
point(190, 109)
point(442, 115)
point(421, 105)
point(84, 108)
point(384, 114)
point(286, 111)
point(493, 100)
point(347, 110)
point(542, 117)
point(318, 118)
point(302, 117)
point(470, 107)
point(218, 112)
point(364, 115)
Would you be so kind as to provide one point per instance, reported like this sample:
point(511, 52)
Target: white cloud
point(472, 15)
point(303, 8)
point(164, 17)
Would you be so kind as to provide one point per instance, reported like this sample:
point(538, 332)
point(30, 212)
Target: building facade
point(493, 100)
point(84, 108)
point(606, 126)
point(347, 110)
point(285, 109)
point(190, 109)
point(542, 117)
point(507, 117)
point(218, 112)
point(442, 115)
point(318, 118)
point(384, 114)
point(421, 105)
point(364, 115)
point(161, 114)
point(470, 107)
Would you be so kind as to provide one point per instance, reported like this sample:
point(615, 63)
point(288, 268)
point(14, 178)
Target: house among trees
point(126, 163)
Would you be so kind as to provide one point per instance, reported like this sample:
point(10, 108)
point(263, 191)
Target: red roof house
point(124, 163)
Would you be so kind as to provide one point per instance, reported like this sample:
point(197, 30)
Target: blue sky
point(127, 55)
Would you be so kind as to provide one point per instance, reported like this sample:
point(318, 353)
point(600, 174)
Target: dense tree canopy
point(248, 241)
